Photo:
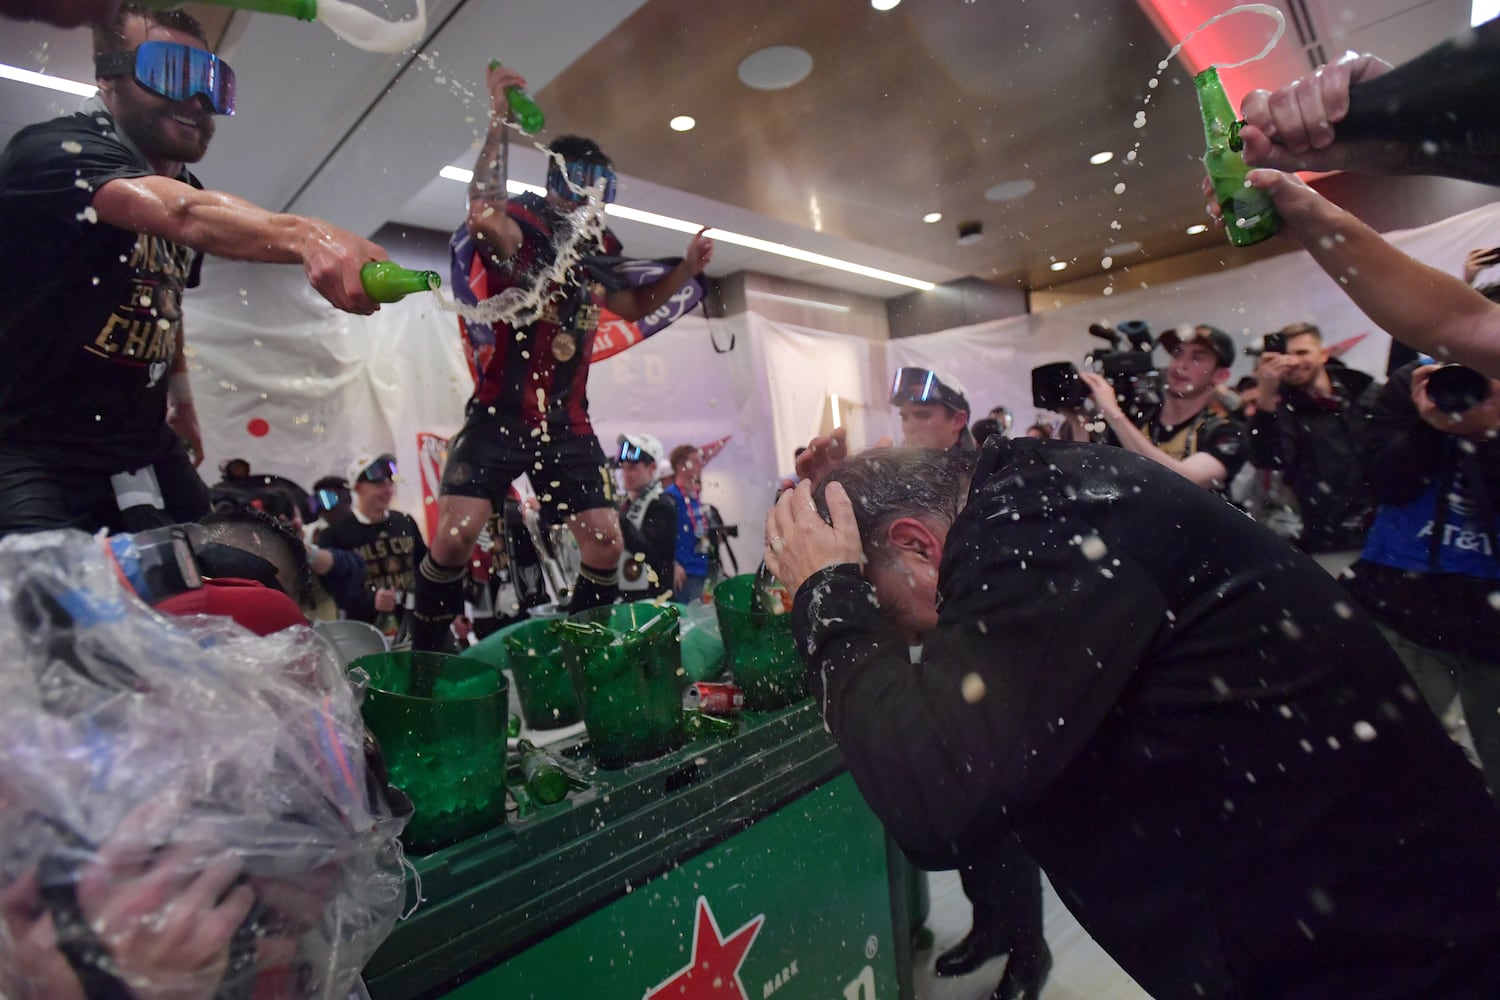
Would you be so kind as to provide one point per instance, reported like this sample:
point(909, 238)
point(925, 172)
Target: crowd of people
point(1075, 655)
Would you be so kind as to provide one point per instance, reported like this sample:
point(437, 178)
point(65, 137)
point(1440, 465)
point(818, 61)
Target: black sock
point(594, 588)
point(440, 599)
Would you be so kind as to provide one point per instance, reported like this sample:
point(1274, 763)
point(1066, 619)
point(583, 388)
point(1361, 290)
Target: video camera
point(1455, 388)
point(1129, 369)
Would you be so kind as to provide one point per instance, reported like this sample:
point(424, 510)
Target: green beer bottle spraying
point(302, 10)
point(387, 281)
point(545, 779)
point(1249, 215)
point(525, 109)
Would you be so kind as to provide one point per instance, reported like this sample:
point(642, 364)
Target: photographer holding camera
point(1180, 429)
point(1431, 562)
point(1310, 424)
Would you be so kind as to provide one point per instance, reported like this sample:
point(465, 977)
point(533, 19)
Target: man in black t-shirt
point(387, 540)
point(1183, 432)
point(1216, 759)
point(104, 229)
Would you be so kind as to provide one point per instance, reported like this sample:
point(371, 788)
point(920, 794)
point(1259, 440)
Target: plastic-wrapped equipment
point(186, 809)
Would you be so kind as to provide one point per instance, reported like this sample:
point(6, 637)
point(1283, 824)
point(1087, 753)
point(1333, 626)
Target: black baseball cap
point(1217, 340)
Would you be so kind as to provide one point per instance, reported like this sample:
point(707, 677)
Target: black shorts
point(40, 494)
point(568, 471)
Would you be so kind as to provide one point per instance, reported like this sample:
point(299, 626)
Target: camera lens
point(1456, 388)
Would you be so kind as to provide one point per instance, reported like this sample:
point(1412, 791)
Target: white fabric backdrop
point(330, 386)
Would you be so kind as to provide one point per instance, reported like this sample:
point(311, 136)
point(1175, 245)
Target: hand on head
point(799, 542)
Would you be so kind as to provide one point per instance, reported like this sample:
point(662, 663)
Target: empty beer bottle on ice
point(523, 107)
point(1249, 215)
point(545, 779)
point(387, 281)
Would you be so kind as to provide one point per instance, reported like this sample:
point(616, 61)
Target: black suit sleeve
point(1038, 634)
point(659, 534)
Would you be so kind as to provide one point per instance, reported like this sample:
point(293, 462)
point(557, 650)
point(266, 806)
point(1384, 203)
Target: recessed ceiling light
point(884, 4)
point(775, 68)
point(1195, 230)
point(1102, 157)
point(1059, 265)
point(970, 233)
point(1121, 249)
point(1010, 190)
point(683, 123)
point(933, 217)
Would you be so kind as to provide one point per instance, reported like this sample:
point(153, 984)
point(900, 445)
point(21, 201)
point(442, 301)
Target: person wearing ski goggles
point(934, 410)
point(105, 231)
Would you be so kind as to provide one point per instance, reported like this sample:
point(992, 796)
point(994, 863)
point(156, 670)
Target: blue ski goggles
point(631, 453)
point(920, 385)
point(175, 71)
point(581, 175)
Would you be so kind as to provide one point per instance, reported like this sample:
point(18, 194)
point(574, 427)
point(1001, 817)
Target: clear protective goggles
point(632, 453)
point(579, 174)
point(378, 471)
point(176, 71)
point(921, 385)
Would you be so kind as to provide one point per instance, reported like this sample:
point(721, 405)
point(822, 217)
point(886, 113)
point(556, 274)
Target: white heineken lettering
point(782, 978)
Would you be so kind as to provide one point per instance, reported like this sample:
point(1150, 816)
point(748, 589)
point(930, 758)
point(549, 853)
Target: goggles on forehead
point(631, 453)
point(176, 71)
point(580, 175)
point(378, 471)
point(920, 385)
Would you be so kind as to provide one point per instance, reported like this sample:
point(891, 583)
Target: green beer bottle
point(302, 10)
point(523, 106)
point(387, 281)
point(545, 779)
point(1249, 215)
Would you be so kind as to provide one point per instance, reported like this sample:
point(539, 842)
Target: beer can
point(713, 699)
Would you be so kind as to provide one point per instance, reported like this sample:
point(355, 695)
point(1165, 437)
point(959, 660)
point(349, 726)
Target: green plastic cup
point(533, 652)
point(759, 646)
point(445, 749)
point(626, 669)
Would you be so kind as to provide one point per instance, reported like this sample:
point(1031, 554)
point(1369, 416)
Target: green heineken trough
point(749, 862)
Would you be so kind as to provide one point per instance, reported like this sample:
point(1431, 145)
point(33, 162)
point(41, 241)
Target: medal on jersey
point(564, 346)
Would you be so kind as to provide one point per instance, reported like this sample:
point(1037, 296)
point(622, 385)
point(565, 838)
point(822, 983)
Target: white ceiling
point(325, 129)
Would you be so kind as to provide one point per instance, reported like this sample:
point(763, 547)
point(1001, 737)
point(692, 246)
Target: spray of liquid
point(364, 30)
point(519, 306)
point(1161, 67)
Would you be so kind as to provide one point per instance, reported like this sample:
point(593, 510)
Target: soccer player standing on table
point(104, 228)
point(1183, 432)
point(529, 412)
point(1212, 755)
point(1310, 422)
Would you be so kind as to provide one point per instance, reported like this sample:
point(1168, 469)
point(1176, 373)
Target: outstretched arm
point(223, 225)
point(632, 303)
point(1420, 306)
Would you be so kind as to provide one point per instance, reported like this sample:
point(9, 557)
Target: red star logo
point(713, 973)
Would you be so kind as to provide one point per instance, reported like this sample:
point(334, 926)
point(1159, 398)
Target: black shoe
point(981, 945)
point(1024, 978)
